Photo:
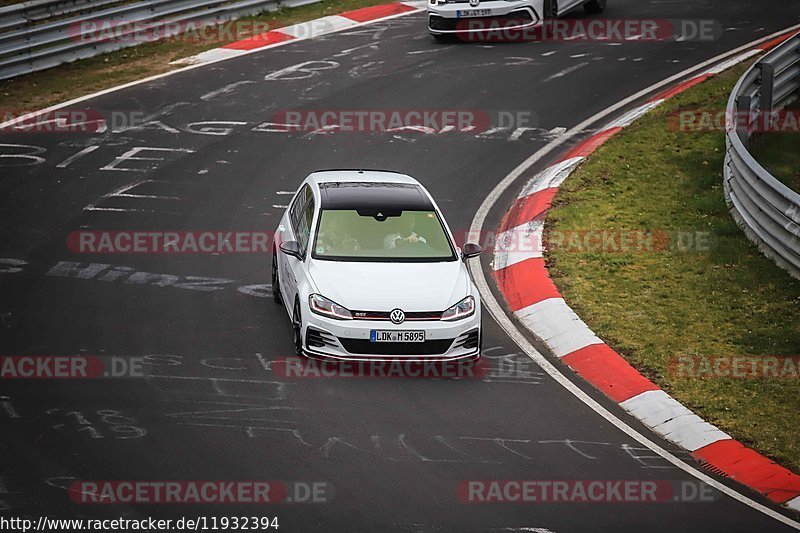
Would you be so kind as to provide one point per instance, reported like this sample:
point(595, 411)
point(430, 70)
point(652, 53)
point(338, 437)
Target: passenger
point(336, 240)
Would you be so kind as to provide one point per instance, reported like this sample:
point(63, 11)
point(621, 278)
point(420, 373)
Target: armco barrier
point(44, 33)
point(767, 210)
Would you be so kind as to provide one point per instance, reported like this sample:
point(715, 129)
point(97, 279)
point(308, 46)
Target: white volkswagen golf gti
point(367, 269)
point(452, 17)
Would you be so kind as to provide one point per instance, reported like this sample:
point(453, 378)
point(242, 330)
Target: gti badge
point(474, 3)
point(397, 316)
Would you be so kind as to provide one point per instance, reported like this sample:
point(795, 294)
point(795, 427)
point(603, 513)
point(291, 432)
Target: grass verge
point(779, 153)
point(71, 80)
point(722, 299)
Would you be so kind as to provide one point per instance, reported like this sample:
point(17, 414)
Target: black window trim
point(296, 199)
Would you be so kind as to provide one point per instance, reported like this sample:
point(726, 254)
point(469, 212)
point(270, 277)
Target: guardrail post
point(767, 83)
point(767, 90)
point(743, 109)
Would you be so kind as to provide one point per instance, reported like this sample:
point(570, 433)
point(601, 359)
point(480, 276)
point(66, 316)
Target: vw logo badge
point(397, 316)
point(474, 3)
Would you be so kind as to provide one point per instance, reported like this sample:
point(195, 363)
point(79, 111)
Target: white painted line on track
point(224, 90)
point(71, 159)
point(629, 118)
point(568, 70)
point(511, 329)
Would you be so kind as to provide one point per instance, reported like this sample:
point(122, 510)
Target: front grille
point(318, 339)
point(487, 24)
point(432, 347)
point(440, 23)
point(384, 315)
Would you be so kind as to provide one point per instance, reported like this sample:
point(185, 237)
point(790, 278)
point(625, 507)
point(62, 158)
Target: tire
point(550, 9)
point(480, 340)
point(297, 328)
point(276, 282)
point(595, 6)
point(443, 37)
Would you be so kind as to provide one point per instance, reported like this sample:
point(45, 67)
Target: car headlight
point(322, 306)
point(462, 309)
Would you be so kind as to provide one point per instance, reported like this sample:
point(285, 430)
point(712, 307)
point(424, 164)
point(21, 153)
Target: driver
point(405, 234)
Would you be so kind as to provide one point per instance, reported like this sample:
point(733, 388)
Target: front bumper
point(446, 19)
point(349, 340)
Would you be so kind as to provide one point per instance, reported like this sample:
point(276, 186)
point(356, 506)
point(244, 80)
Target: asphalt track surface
point(213, 408)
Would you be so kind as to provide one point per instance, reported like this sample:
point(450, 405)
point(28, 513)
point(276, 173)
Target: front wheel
point(550, 9)
point(297, 329)
point(276, 283)
point(443, 37)
point(595, 6)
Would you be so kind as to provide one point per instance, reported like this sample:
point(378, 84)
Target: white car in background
point(367, 269)
point(447, 18)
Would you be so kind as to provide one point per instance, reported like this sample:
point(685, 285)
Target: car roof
point(342, 175)
point(370, 190)
point(373, 197)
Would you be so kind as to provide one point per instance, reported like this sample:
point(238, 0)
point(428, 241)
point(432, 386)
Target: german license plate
point(377, 335)
point(467, 13)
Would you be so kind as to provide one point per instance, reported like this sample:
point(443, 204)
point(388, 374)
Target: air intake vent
point(318, 339)
point(468, 340)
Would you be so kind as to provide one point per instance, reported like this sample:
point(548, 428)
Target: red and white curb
point(522, 278)
point(305, 30)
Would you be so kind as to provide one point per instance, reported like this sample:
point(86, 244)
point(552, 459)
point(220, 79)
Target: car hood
point(386, 286)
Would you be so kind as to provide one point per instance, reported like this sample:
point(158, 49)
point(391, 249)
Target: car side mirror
point(292, 248)
point(471, 250)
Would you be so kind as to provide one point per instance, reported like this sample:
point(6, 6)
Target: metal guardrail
point(767, 210)
point(41, 34)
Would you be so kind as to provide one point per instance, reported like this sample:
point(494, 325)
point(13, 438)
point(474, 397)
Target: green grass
point(725, 299)
point(64, 82)
point(779, 153)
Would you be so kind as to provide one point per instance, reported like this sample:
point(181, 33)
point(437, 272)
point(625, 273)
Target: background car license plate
point(466, 13)
point(377, 335)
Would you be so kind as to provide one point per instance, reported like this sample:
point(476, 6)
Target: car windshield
point(344, 234)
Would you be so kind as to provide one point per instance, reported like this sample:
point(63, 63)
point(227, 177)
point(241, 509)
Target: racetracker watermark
point(388, 120)
point(200, 492)
point(519, 29)
point(531, 239)
point(169, 242)
point(70, 121)
point(57, 121)
point(735, 367)
point(716, 120)
point(141, 31)
point(584, 491)
point(299, 367)
point(149, 524)
point(70, 367)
